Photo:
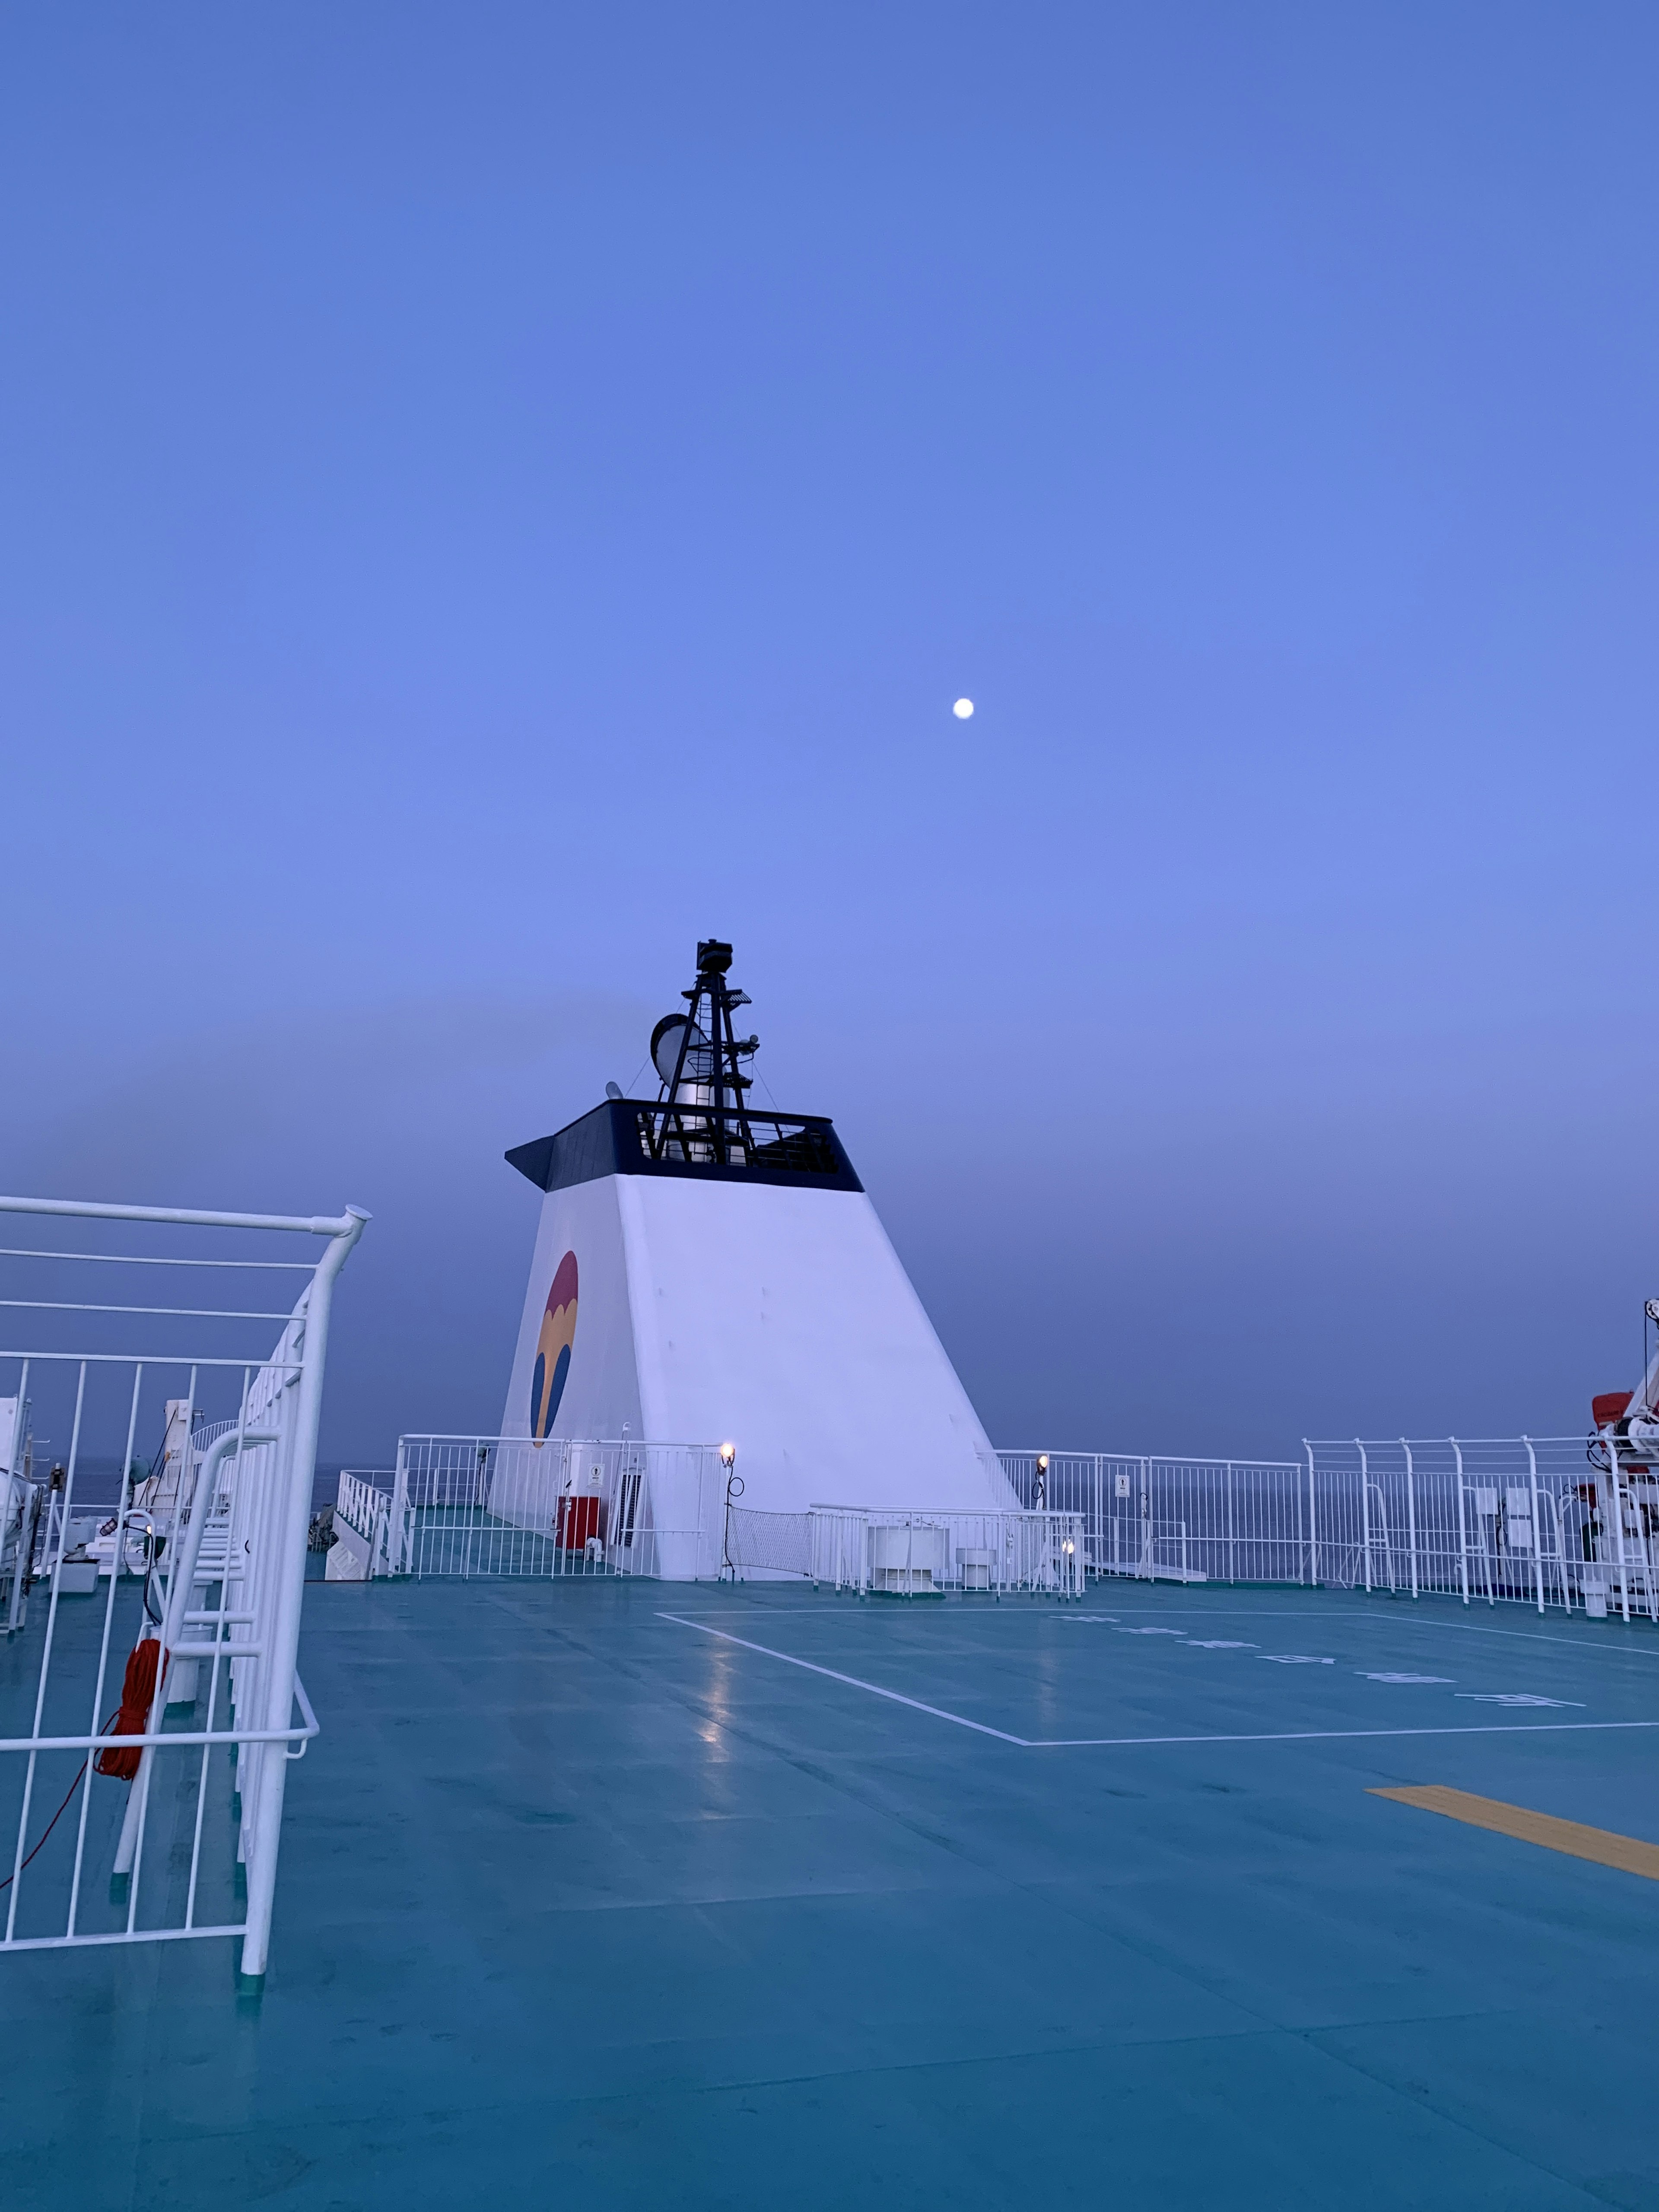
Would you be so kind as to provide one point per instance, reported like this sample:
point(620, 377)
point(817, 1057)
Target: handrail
point(725, 1112)
point(314, 1224)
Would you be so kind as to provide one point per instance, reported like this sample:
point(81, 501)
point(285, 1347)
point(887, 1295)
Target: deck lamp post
point(733, 1490)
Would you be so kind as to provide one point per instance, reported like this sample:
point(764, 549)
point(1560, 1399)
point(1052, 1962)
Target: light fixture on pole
point(733, 1491)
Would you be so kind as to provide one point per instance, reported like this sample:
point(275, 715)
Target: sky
point(491, 495)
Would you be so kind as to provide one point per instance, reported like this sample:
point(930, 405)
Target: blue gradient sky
point(493, 494)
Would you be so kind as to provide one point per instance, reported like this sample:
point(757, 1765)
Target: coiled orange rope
point(144, 1665)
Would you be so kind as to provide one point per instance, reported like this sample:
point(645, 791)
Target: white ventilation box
point(907, 1562)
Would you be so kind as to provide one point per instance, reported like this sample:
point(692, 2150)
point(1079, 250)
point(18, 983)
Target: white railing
point(1540, 1521)
point(162, 1841)
point(473, 1506)
point(1525, 1519)
point(1164, 1518)
point(506, 1506)
point(1543, 1521)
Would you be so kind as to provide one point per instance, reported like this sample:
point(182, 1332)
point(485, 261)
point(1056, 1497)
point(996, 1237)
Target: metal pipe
point(402, 1539)
point(316, 1225)
point(16, 1494)
point(123, 1504)
point(170, 1738)
point(175, 1312)
point(1365, 1510)
point(256, 1507)
point(45, 1666)
point(1232, 1548)
point(154, 1260)
point(1462, 1532)
point(145, 1358)
point(1537, 1525)
point(1618, 1528)
point(20, 1571)
point(1411, 1511)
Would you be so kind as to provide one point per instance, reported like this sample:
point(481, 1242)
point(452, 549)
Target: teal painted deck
point(583, 1907)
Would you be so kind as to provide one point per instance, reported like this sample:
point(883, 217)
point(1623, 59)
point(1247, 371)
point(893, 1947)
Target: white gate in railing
point(178, 1754)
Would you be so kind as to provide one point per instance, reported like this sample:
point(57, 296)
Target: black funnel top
point(699, 1125)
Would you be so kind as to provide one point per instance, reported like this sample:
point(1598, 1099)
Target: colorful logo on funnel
point(553, 1350)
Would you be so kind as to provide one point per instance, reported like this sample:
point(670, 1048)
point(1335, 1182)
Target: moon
point(962, 709)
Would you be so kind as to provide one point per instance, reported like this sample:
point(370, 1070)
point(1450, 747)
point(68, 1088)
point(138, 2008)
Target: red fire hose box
point(578, 1520)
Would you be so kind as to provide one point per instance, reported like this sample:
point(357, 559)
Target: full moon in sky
point(962, 708)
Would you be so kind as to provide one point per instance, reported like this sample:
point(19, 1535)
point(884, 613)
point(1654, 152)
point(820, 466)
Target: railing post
point(1232, 1547)
point(1537, 1528)
point(1558, 1558)
point(1411, 1511)
point(17, 1493)
point(1313, 1524)
point(1619, 1529)
point(1366, 1508)
point(1462, 1531)
point(401, 1542)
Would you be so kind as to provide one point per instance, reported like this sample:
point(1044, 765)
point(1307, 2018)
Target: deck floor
point(583, 1905)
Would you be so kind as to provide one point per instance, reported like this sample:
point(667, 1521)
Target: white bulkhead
point(780, 1320)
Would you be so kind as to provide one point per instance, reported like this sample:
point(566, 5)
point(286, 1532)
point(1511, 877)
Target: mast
point(708, 1069)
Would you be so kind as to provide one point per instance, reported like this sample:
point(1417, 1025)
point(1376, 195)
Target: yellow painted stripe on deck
point(1626, 1852)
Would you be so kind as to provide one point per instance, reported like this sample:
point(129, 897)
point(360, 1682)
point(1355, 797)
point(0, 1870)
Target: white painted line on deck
point(1125, 1742)
point(1408, 1616)
point(1337, 1736)
point(852, 1680)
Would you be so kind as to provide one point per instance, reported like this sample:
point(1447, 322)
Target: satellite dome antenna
point(697, 1055)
